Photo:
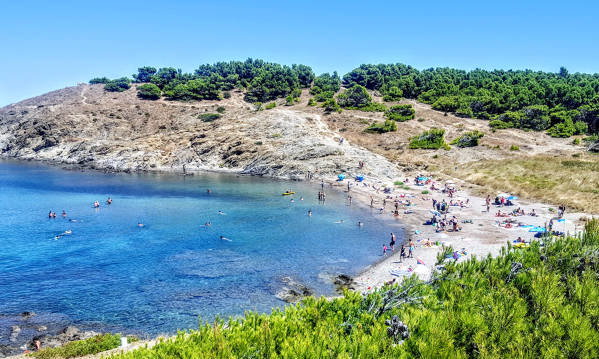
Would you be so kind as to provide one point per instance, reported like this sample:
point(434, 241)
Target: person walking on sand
point(392, 243)
point(412, 247)
point(371, 202)
point(402, 253)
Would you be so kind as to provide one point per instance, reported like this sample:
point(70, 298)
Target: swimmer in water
point(225, 239)
point(360, 224)
point(310, 213)
point(207, 224)
point(50, 214)
point(139, 224)
point(292, 200)
point(56, 238)
point(68, 231)
point(64, 214)
point(73, 220)
point(96, 204)
point(221, 213)
point(339, 221)
point(301, 198)
point(208, 191)
point(109, 200)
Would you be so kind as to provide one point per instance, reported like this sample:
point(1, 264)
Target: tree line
point(564, 104)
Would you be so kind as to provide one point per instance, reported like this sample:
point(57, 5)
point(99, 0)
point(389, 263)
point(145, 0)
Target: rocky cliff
point(86, 126)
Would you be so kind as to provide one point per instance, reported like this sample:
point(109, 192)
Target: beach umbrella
point(341, 177)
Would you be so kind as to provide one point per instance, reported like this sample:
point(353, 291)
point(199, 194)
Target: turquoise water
point(110, 272)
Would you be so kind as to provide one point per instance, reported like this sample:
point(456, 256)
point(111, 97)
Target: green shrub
point(99, 80)
point(398, 183)
point(289, 100)
point(431, 139)
point(323, 96)
point(311, 102)
point(221, 109)
point(425, 192)
point(79, 348)
point(468, 139)
point(270, 106)
point(149, 92)
point(576, 141)
point(500, 125)
point(400, 113)
point(354, 97)
point(118, 85)
point(258, 106)
point(394, 93)
point(387, 126)
point(420, 119)
point(514, 148)
point(330, 105)
point(258, 143)
point(209, 117)
point(226, 94)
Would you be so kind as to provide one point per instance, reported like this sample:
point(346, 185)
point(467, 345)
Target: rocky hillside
point(86, 126)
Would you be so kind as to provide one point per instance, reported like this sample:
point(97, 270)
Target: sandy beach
point(482, 237)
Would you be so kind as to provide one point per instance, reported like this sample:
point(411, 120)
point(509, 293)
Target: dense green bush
point(326, 82)
point(387, 126)
point(209, 117)
point(393, 94)
point(400, 113)
point(149, 92)
point(500, 125)
point(221, 109)
point(144, 74)
point(488, 94)
point(468, 139)
point(271, 105)
point(323, 96)
point(535, 302)
point(311, 102)
point(354, 97)
point(331, 105)
point(432, 139)
point(118, 85)
point(99, 80)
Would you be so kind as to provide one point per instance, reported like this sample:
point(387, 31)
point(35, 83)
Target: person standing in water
point(392, 243)
point(412, 247)
point(109, 200)
point(384, 249)
point(310, 213)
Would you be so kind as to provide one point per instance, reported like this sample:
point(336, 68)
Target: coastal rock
point(14, 333)
point(293, 290)
point(343, 281)
point(27, 315)
point(594, 147)
point(66, 335)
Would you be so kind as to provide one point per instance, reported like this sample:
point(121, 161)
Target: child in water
point(384, 249)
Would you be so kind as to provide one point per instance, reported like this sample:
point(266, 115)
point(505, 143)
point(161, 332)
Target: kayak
point(288, 193)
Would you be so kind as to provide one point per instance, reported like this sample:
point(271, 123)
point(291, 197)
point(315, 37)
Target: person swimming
point(339, 221)
point(56, 238)
point(301, 198)
point(310, 212)
point(139, 224)
point(221, 213)
point(292, 200)
point(360, 224)
point(222, 238)
point(50, 214)
point(96, 204)
point(109, 200)
point(68, 231)
point(64, 214)
point(208, 191)
point(207, 224)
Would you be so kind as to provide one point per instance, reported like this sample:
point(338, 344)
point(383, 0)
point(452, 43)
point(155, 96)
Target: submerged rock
point(293, 290)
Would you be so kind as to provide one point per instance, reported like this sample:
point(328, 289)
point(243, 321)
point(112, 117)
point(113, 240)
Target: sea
point(98, 268)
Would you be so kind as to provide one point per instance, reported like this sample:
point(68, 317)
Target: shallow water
point(160, 278)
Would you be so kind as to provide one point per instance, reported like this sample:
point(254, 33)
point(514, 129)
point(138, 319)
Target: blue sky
point(48, 45)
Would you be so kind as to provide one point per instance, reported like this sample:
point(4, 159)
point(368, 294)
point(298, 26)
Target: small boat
point(288, 193)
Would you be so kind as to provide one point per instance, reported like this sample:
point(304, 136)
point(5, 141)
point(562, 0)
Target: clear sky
point(48, 45)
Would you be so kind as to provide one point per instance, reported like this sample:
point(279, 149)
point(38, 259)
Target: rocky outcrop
point(594, 147)
point(88, 127)
point(292, 290)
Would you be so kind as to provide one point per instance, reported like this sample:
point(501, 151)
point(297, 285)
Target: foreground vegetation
point(536, 302)
point(97, 344)
point(571, 181)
